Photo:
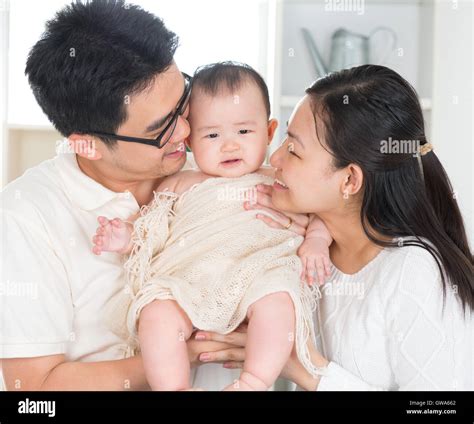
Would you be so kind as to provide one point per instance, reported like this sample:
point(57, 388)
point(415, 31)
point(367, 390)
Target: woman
point(396, 312)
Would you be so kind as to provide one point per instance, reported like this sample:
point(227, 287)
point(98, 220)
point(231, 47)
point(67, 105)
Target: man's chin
point(174, 164)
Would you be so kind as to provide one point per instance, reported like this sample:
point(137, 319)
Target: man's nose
point(181, 131)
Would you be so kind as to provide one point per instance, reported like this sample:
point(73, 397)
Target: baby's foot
point(112, 236)
point(247, 382)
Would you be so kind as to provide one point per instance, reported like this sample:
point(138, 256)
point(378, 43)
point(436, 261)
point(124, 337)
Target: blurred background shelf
point(293, 71)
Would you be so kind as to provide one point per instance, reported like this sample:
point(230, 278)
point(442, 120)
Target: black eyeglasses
point(168, 131)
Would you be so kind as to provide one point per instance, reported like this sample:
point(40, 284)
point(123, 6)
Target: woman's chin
point(280, 200)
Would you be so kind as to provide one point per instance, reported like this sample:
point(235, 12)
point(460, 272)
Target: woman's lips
point(279, 185)
point(231, 163)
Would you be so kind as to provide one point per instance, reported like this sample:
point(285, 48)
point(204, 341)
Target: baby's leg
point(163, 330)
point(270, 339)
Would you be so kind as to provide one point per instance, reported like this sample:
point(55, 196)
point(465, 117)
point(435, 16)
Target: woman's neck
point(351, 249)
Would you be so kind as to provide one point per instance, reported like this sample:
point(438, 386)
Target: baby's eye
point(244, 131)
point(213, 135)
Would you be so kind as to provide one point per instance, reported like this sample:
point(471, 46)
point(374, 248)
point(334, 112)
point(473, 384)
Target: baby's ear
point(272, 126)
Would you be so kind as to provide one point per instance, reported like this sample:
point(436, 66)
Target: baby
point(199, 259)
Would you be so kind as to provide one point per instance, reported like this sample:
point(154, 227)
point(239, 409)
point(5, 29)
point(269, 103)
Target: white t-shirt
point(53, 289)
point(384, 328)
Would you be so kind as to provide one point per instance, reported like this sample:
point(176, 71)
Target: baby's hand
point(112, 236)
point(314, 254)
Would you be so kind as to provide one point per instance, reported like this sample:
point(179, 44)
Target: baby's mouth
point(231, 162)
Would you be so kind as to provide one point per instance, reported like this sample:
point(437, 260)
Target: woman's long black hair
point(366, 112)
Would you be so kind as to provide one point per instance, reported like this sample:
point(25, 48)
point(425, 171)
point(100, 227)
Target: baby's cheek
point(257, 155)
point(206, 160)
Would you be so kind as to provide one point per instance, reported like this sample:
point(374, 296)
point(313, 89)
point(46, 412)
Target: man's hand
point(232, 356)
point(228, 349)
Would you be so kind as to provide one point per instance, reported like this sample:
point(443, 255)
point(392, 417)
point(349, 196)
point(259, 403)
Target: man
point(103, 73)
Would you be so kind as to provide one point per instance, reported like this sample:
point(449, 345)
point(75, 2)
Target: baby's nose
point(230, 145)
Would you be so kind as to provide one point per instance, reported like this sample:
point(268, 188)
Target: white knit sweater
point(384, 327)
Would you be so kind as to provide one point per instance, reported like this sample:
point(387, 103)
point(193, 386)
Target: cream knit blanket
point(204, 250)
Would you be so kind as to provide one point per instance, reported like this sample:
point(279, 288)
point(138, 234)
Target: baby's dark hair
point(215, 77)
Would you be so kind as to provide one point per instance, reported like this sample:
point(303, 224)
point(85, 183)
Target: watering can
point(348, 49)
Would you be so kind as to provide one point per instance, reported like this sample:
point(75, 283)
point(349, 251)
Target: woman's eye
point(244, 131)
point(213, 135)
point(291, 149)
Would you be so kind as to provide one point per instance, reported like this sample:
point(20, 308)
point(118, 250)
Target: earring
point(346, 194)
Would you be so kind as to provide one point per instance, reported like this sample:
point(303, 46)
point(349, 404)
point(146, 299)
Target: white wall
point(452, 115)
point(3, 87)
point(209, 31)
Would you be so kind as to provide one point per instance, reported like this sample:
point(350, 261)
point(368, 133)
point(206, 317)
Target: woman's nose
point(275, 158)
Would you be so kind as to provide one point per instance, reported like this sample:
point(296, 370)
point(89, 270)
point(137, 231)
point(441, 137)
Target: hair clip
point(426, 148)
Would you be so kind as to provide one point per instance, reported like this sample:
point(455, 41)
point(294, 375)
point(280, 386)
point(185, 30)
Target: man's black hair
point(93, 55)
point(229, 75)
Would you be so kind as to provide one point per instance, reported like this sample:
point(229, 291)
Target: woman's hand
point(206, 346)
point(280, 220)
point(294, 371)
point(228, 349)
point(232, 356)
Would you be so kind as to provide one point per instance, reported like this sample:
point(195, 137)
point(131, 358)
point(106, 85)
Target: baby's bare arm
point(181, 181)
point(314, 251)
point(317, 228)
point(115, 235)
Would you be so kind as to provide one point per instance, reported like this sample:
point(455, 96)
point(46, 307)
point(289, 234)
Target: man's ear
point(85, 146)
point(353, 180)
point(272, 126)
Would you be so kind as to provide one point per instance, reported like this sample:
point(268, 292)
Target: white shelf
point(293, 70)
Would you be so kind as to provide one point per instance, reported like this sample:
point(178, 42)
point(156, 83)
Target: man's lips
point(180, 150)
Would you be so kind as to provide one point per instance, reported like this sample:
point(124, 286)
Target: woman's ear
point(272, 126)
point(85, 146)
point(353, 180)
